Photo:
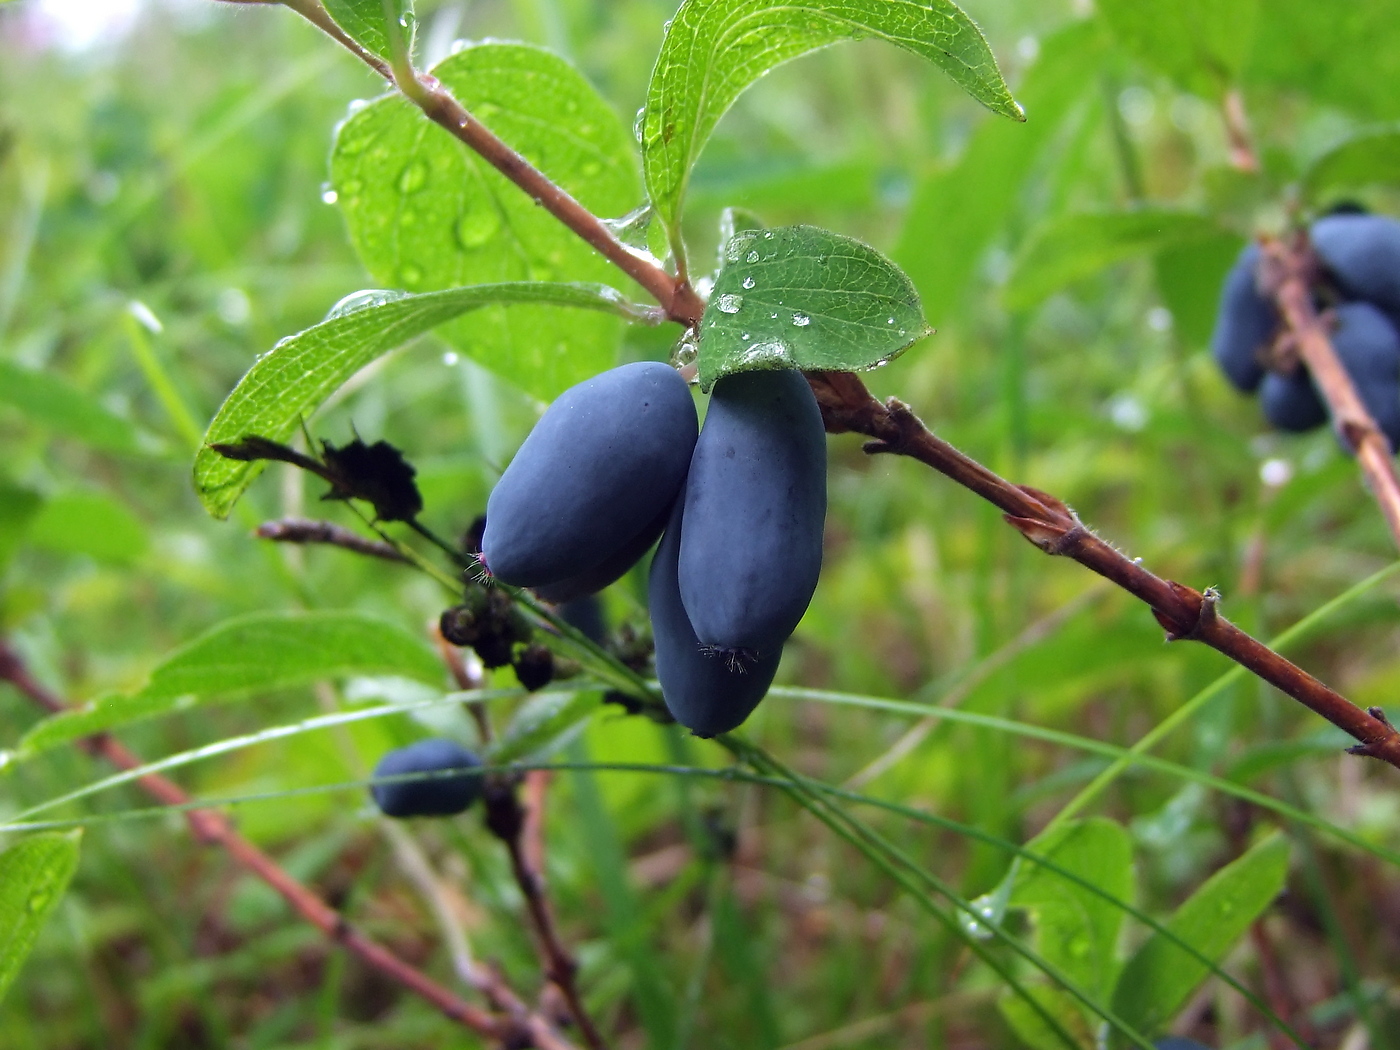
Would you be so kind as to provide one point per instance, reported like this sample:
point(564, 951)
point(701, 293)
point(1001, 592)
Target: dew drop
point(450, 358)
point(752, 257)
point(686, 350)
point(801, 320)
point(328, 195)
point(477, 227)
point(767, 235)
point(729, 304)
point(362, 300)
point(746, 337)
point(413, 178)
point(768, 354)
point(748, 282)
point(889, 320)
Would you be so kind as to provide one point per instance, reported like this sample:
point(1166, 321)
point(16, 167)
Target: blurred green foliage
point(162, 202)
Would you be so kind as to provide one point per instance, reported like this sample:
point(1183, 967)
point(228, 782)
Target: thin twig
point(1185, 613)
point(507, 819)
point(212, 828)
point(1289, 272)
point(306, 530)
point(520, 828)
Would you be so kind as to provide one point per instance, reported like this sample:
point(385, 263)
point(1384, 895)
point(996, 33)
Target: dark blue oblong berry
point(755, 504)
point(1290, 402)
point(1368, 347)
point(439, 796)
point(599, 468)
point(1362, 252)
point(1245, 323)
point(705, 691)
point(593, 580)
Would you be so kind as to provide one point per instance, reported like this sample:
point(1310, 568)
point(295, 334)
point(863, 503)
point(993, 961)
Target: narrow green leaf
point(364, 21)
point(93, 523)
point(18, 506)
point(1074, 247)
point(957, 212)
point(1160, 977)
point(1200, 44)
point(424, 212)
point(289, 383)
point(804, 297)
point(34, 874)
point(249, 654)
point(1075, 929)
point(54, 403)
point(714, 49)
point(1368, 158)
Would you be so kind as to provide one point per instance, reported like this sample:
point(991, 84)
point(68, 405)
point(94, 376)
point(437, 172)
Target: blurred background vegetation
point(162, 168)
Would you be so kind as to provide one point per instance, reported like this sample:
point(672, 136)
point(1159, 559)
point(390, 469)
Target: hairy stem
point(1289, 269)
point(1185, 613)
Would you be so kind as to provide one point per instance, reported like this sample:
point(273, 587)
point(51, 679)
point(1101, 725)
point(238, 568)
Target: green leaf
point(1074, 247)
point(714, 49)
point(1160, 977)
point(804, 297)
point(1369, 158)
point(1341, 54)
point(249, 654)
point(52, 402)
point(34, 874)
point(956, 213)
point(1200, 44)
point(1030, 1026)
point(90, 523)
point(17, 509)
point(539, 725)
point(364, 21)
point(424, 212)
point(1189, 278)
point(289, 383)
point(1075, 929)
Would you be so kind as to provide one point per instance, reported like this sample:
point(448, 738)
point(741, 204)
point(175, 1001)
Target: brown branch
point(213, 829)
point(1185, 613)
point(1237, 137)
point(521, 828)
point(679, 300)
point(305, 530)
point(508, 821)
point(1289, 271)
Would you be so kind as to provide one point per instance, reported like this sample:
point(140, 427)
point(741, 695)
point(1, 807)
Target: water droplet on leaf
point(477, 227)
point(729, 304)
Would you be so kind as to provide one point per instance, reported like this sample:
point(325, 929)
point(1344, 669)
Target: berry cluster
point(619, 460)
point(1360, 256)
